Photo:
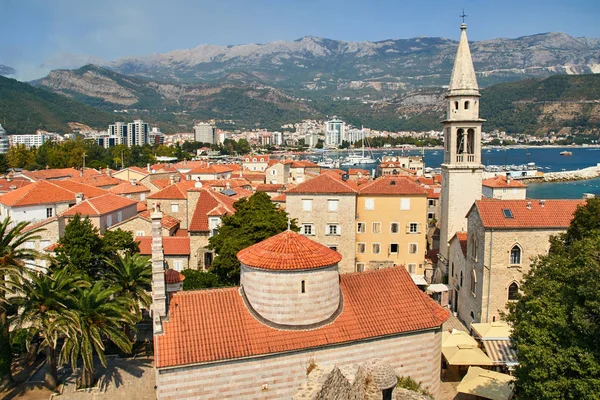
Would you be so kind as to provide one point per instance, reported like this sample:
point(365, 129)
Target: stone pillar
point(159, 295)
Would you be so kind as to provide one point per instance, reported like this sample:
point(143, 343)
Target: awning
point(465, 355)
point(437, 288)
point(419, 280)
point(487, 384)
point(492, 331)
point(501, 352)
point(456, 338)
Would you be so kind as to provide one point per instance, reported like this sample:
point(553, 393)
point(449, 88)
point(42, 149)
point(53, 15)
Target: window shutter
point(419, 227)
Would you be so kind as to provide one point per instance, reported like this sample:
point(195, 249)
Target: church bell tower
point(462, 168)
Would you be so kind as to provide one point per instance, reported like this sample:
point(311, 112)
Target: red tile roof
point(128, 188)
point(48, 192)
point(211, 169)
point(214, 325)
point(97, 180)
point(141, 206)
point(357, 171)
point(167, 221)
point(6, 185)
point(500, 181)
point(434, 192)
point(552, 214)
point(288, 251)
point(172, 245)
point(304, 164)
point(462, 239)
point(325, 183)
point(58, 173)
point(210, 203)
point(394, 185)
point(280, 199)
point(254, 177)
point(100, 205)
point(172, 276)
point(270, 187)
point(177, 191)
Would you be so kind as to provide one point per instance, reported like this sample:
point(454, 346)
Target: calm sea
point(547, 159)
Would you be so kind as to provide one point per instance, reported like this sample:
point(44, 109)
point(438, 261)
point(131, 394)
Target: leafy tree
point(195, 280)
point(255, 220)
point(98, 313)
point(80, 249)
point(13, 256)
point(18, 156)
point(43, 301)
point(119, 240)
point(556, 330)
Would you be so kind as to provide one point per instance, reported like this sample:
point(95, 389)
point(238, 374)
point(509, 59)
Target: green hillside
point(24, 108)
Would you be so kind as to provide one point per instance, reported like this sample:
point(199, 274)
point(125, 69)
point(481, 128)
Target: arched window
point(513, 291)
point(471, 141)
point(515, 255)
point(466, 105)
point(303, 286)
point(473, 281)
point(461, 278)
point(460, 141)
point(452, 274)
point(473, 248)
point(456, 105)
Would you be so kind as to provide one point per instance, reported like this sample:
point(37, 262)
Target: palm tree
point(13, 255)
point(99, 313)
point(43, 302)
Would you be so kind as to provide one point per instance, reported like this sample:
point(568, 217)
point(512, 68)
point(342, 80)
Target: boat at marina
point(359, 159)
point(566, 153)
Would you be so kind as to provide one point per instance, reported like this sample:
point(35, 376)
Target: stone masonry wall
point(279, 376)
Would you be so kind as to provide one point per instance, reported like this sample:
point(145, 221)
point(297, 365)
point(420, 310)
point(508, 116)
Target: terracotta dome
point(288, 251)
point(172, 276)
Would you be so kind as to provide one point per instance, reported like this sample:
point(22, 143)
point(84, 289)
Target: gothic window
point(456, 105)
point(513, 291)
point(452, 274)
point(471, 141)
point(473, 248)
point(466, 105)
point(515, 255)
point(460, 141)
point(473, 282)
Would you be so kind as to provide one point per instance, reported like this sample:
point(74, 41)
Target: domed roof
point(383, 374)
point(172, 276)
point(288, 251)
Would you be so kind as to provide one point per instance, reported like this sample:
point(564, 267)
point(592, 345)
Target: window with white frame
point(473, 282)
point(413, 248)
point(49, 212)
point(119, 216)
point(306, 204)
point(405, 204)
point(332, 205)
point(361, 248)
point(394, 227)
point(143, 197)
point(333, 229)
point(178, 265)
point(431, 202)
point(369, 204)
point(376, 227)
point(273, 172)
point(515, 255)
point(139, 233)
point(413, 227)
point(360, 267)
point(174, 207)
point(393, 248)
point(109, 220)
point(361, 227)
point(308, 229)
point(376, 248)
point(213, 225)
point(412, 268)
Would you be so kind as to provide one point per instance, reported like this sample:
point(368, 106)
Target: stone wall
point(585, 173)
point(417, 355)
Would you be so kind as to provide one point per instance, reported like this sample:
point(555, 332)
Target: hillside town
point(271, 275)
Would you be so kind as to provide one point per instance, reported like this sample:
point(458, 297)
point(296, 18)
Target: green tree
point(555, 321)
point(80, 249)
point(18, 156)
point(255, 220)
point(195, 280)
point(99, 314)
point(119, 240)
point(13, 256)
point(43, 301)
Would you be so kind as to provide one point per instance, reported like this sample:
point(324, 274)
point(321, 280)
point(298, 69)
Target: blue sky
point(38, 35)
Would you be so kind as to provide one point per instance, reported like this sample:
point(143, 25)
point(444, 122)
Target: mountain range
point(6, 70)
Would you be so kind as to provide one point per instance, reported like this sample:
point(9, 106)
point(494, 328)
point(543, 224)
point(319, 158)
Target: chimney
point(159, 288)
point(542, 203)
point(133, 182)
point(8, 177)
point(529, 205)
point(171, 179)
point(227, 185)
point(508, 179)
point(148, 167)
point(78, 198)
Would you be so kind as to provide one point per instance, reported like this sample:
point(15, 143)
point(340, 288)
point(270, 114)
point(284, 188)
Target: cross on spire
point(463, 16)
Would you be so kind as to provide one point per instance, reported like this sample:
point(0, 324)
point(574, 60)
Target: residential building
point(137, 133)
point(176, 250)
point(104, 211)
point(277, 138)
point(119, 131)
point(255, 162)
point(210, 172)
point(131, 190)
point(325, 208)
point(504, 188)
point(278, 172)
point(462, 169)
point(335, 132)
point(4, 141)
point(502, 240)
point(401, 165)
point(155, 136)
point(311, 139)
point(29, 140)
point(292, 306)
point(174, 201)
point(205, 133)
point(141, 225)
point(390, 225)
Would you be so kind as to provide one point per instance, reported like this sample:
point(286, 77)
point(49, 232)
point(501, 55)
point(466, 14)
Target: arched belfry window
point(515, 255)
point(513, 291)
point(466, 105)
point(456, 105)
point(460, 141)
point(471, 141)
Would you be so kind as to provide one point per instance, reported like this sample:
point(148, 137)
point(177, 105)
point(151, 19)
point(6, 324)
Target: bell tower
point(462, 169)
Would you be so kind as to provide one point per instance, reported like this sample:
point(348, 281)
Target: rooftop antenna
point(463, 16)
point(289, 224)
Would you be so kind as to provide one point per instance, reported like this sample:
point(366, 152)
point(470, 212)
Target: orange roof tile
point(100, 205)
point(167, 221)
point(58, 173)
point(211, 169)
point(209, 203)
point(172, 276)
point(280, 199)
point(172, 245)
point(6, 185)
point(395, 185)
point(500, 181)
point(214, 325)
point(550, 214)
point(462, 239)
point(357, 171)
point(48, 192)
point(141, 206)
point(128, 188)
point(177, 191)
point(97, 180)
point(288, 251)
point(254, 177)
point(325, 183)
point(269, 187)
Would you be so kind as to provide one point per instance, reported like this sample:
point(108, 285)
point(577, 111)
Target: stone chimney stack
point(171, 179)
point(159, 288)
point(78, 198)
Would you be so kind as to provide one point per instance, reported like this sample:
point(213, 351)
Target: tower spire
point(463, 80)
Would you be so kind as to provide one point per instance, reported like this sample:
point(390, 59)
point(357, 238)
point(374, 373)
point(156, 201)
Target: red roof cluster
point(172, 245)
point(270, 187)
point(395, 185)
point(98, 180)
point(288, 251)
point(211, 169)
point(325, 183)
point(100, 205)
point(517, 214)
point(215, 325)
point(210, 203)
point(6, 185)
point(48, 192)
point(176, 191)
point(167, 221)
point(58, 173)
point(128, 188)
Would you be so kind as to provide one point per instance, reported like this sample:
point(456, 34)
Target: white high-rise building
point(462, 169)
point(118, 133)
point(335, 132)
point(4, 142)
point(137, 133)
point(30, 140)
point(205, 133)
point(277, 138)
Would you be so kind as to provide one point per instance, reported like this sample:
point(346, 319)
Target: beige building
point(173, 201)
point(255, 162)
point(502, 239)
point(325, 208)
point(401, 165)
point(278, 172)
point(504, 188)
point(141, 225)
point(104, 211)
point(390, 225)
point(176, 250)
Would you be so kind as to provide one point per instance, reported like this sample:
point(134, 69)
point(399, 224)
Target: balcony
point(460, 158)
